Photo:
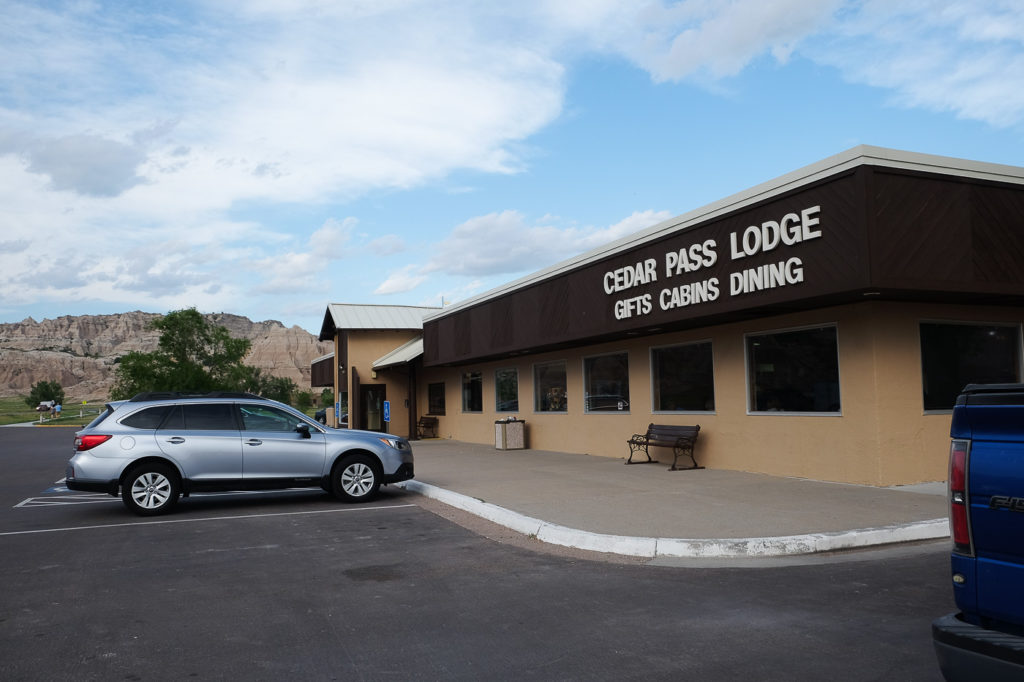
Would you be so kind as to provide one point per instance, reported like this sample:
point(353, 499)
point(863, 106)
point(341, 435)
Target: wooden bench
point(426, 424)
point(680, 438)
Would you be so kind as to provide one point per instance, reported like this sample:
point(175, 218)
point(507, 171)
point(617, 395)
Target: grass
point(15, 411)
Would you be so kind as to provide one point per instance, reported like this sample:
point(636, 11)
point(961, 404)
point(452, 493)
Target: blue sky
point(268, 157)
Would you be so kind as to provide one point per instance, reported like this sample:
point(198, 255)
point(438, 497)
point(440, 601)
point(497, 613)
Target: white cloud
point(299, 271)
point(941, 55)
point(87, 164)
point(401, 281)
point(331, 240)
point(503, 243)
point(130, 137)
point(696, 38)
point(387, 245)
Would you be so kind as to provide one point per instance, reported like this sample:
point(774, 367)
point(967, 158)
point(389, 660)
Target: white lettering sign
point(644, 272)
point(790, 230)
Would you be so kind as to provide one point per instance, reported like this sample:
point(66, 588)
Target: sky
point(268, 157)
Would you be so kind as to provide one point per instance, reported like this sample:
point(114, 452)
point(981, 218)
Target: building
point(819, 325)
point(374, 361)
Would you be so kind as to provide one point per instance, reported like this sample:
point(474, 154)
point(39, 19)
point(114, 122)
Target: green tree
point(193, 356)
point(277, 388)
point(303, 400)
point(327, 398)
point(44, 390)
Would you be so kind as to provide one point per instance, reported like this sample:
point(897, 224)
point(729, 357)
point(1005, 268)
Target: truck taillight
point(958, 524)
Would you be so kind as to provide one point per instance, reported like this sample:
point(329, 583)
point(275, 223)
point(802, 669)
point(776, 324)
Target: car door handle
point(177, 440)
point(254, 441)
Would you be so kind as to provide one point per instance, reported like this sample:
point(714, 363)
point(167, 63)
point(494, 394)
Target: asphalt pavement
point(601, 504)
point(644, 510)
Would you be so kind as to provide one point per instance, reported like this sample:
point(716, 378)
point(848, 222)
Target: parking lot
point(265, 586)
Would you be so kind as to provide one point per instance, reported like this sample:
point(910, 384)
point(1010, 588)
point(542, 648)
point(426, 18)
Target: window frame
point(714, 387)
point(289, 418)
point(967, 323)
point(164, 410)
point(788, 330)
point(430, 404)
point(497, 388)
point(230, 408)
point(586, 377)
point(479, 379)
point(536, 387)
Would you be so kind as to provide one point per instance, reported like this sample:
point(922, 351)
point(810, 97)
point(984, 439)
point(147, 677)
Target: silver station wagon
point(158, 446)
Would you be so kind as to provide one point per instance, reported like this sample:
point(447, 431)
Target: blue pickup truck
point(985, 640)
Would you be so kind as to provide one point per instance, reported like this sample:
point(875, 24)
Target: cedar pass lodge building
point(819, 325)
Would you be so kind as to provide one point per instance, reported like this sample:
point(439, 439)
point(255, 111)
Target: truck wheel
point(150, 489)
point(355, 479)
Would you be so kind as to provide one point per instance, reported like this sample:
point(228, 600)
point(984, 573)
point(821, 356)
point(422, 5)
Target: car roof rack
point(178, 395)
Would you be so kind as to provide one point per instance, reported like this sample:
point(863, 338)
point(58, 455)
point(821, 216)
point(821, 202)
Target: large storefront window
point(794, 371)
point(472, 392)
point(435, 398)
point(549, 387)
point(954, 355)
point(606, 383)
point(506, 390)
point(683, 378)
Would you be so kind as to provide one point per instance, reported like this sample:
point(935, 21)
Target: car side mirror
point(303, 430)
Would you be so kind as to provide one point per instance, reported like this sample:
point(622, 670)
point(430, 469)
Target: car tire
point(356, 478)
point(150, 489)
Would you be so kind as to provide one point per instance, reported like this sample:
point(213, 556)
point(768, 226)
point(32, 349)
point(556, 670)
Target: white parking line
point(208, 518)
point(63, 500)
point(60, 496)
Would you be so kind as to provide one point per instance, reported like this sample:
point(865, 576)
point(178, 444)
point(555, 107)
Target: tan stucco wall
point(882, 437)
point(365, 347)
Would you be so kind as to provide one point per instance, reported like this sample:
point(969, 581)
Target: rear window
point(100, 417)
point(149, 418)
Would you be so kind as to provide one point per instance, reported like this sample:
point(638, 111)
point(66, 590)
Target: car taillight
point(89, 441)
point(958, 450)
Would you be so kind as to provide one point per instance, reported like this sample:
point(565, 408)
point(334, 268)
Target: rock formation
point(80, 352)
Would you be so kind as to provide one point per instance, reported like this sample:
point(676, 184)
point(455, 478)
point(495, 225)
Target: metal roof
point(355, 316)
point(851, 158)
point(401, 355)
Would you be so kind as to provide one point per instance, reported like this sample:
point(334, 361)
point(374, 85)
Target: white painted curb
point(678, 547)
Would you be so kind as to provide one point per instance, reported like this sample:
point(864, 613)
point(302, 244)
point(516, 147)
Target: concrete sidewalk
point(599, 504)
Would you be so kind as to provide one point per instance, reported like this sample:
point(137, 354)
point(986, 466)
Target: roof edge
point(861, 155)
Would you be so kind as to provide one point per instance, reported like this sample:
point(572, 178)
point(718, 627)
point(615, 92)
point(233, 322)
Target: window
point(260, 418)
point(472, 392)
point(549, 387)
point(506, 390)
point(606, 383)
point(148, 418)
point(435, 398)
point(794, 371)
point(682, 378)
point(954, 355)
point(212, 417)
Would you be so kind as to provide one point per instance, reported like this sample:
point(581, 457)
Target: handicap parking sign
point(387, 410)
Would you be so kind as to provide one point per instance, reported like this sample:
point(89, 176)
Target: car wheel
point(150, 489)
point(356, 479)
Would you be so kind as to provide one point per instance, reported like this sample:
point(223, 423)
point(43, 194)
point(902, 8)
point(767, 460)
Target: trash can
point(510, 434)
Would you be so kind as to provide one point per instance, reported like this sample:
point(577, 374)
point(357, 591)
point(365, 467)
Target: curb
point(811, 543)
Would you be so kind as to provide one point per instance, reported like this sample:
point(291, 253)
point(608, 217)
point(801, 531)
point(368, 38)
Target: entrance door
point(371, 407)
